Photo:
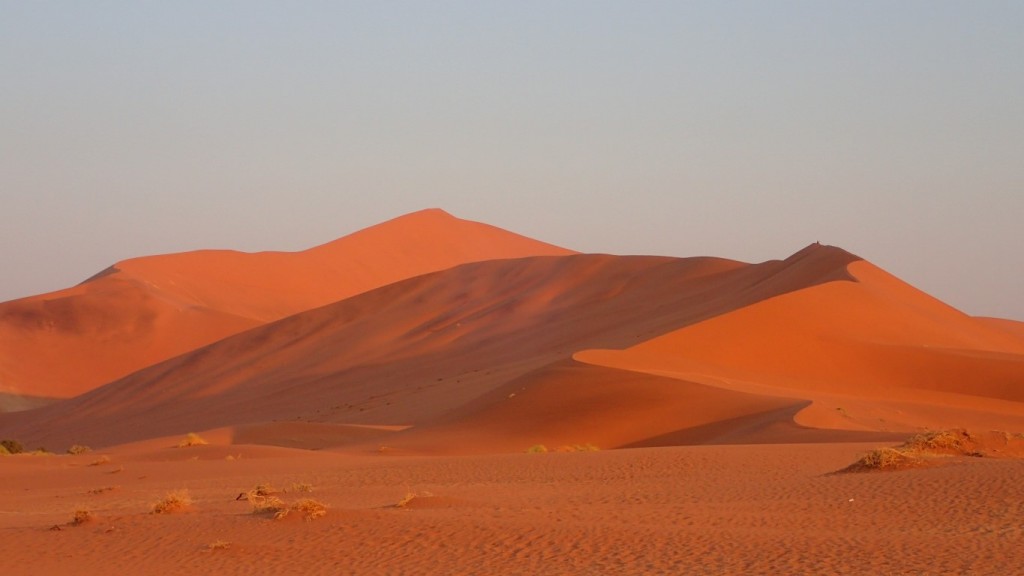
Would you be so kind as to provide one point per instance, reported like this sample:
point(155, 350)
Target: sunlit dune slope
point(144, 310)
point(844, 343)
point(415, 352)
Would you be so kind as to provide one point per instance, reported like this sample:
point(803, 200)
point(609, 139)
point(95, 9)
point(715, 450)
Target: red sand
point(730, 390)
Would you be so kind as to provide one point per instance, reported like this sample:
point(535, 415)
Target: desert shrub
point(219, 545)
point(409, 497)
point(266, 504)
point(79, 449)
point(103, 490)
point(579, 448)
point(192, 439)
point(956, 440)
point(175, 501)
point(309, 508)
point(886, 458)
point(81, 517)
point(300, 487)
point(3, 451)
point(12, 446)
point(537, 449)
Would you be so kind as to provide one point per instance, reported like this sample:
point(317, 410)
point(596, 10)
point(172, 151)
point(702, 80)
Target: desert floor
point(726, 509)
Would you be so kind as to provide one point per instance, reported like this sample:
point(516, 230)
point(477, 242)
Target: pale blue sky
point(737, 129)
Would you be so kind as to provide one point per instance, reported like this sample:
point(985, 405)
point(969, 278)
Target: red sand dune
point(738, 389)
point(145, 310)
point(423, 351)
point(902, 358)
point(479, 358)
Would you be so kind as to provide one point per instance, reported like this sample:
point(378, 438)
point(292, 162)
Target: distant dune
point(145, 310)
point(500, 354)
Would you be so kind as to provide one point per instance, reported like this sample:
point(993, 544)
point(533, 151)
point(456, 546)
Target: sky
point(744, 130)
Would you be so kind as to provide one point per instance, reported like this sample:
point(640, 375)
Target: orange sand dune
point(406, 409)
point(144, 310)
point(410, 353)
point(841, 342)
point(572, 406)
point(1013, 327)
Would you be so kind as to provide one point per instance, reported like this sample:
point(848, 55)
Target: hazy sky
point(737, 129)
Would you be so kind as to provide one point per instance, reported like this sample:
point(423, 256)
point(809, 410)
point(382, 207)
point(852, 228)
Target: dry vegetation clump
point(174, 501)
point(588, 447)
point(885, 459)
point(266, 503)
point(103, 490)
point(542, 449)
point(410, 496)
point(218, 545)
point(300, 487)
point(917, 450)
point(79, 449)
point(81, 516)
point(11, 446)
point(192, 439)
point(955, 440)
point(101, 460)
point(310, 508)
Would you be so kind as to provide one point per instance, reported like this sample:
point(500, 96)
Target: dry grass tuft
point(578, 448)
point(11, 446)
point(218, 545)
point(409, 497)
point(175, 501)
point(103, 490)
point(888, 459)
point(955, 440)
point(81, 516)
point(192, 439)
point(79, 449)
point(918, 449)
point(267, 505)
point(300, 487)
point(537, 449)
point(310, 509)
point(274, 506)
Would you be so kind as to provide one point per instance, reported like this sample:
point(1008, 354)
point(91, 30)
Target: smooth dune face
point(145, 310)
point(902, 358)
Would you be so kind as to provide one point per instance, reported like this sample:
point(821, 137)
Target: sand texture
point(465, 400)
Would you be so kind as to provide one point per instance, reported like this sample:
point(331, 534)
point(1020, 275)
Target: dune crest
point(145, 310)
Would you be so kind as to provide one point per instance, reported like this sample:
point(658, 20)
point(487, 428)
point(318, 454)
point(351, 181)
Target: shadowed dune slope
point(415, 352)
point(145, 310)
point(568, 405)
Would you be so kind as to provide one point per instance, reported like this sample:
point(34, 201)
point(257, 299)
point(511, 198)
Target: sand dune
point(876, 338)
point(403, 387)
point(144, 310)
point(410, 352)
